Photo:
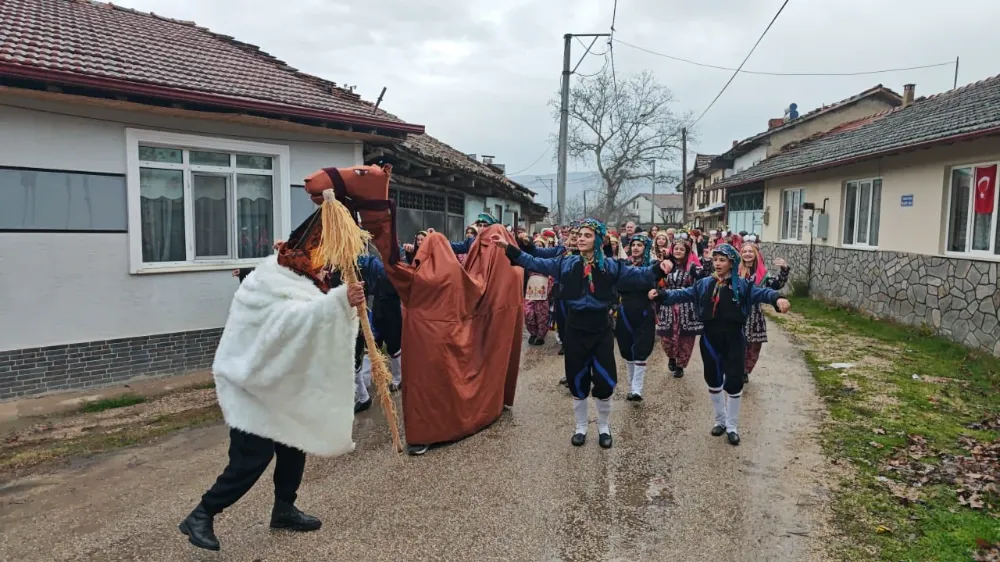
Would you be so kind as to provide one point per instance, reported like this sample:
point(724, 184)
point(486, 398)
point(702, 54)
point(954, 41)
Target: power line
point(738, 69)
point(537, 160)
point(763, 73)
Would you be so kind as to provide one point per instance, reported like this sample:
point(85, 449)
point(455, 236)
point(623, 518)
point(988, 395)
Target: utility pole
point(955, 85)
point(585, 202)
point(684, 173)
point(652, 208)
point(564, 113)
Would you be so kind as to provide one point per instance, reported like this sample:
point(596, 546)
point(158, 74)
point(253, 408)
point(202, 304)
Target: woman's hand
point(498, 240)
point(666, 266)
point(356, 294)
point(653, 293)
point(780, 263)
point(278, 243)
point(783, 305)
point(408, 248)
point(236, 273)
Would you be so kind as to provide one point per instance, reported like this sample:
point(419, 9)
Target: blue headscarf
point(600, 233)
point(647, 245)
point(733, 256)
point(486, 218)
point(730, 253)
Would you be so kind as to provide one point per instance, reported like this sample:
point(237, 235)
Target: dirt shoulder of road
point(118, 417)
point(914, 425)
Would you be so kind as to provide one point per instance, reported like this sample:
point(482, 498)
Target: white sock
point(580, 414)
point(733, 412)
point(631, 372)
point(639, 377)
point(603, 415)
point(360, 391)
point(719, 405)
point(366, 370)
point(396, 366)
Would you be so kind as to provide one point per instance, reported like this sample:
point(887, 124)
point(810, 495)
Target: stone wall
point(25, 372)
point(956, 298)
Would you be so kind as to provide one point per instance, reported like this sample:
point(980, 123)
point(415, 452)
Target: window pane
point(410, 222)
point(785, 215)
point(253, 162)
point(434, 203)
point(961, 180)
point(302, 205)
point(161, 204)
point(32, 200)
point(435, 221)
point(864, 212)
point(211, 216)
point(456, 228)
point(981, 230)
point(876, 212)
point(456, 205)
point(254, 215)
point(210, 158)
point(410, 200)
point(157, 154)
point(850, 212)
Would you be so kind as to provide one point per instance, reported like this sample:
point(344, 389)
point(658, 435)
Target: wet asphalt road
point(515, 491)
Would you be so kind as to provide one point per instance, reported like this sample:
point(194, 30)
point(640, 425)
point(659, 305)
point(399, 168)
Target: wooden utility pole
point(684, 173)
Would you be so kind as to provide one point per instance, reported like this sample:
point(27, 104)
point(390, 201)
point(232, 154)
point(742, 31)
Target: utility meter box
point(822, 227)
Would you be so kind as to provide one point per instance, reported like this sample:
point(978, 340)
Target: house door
point(746, 212)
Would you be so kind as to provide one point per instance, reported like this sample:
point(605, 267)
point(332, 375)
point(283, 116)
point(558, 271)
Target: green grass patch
point(103, 404)
point(903, 382)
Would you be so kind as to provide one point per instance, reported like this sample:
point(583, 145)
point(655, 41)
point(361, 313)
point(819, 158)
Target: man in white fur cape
point(284, 375)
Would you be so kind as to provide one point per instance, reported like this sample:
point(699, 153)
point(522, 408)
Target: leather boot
point(199, 528)
point(287, 516)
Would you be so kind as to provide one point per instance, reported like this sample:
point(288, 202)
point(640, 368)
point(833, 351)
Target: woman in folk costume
point(586, 283)
point(281, 378)
point(752, 269)
point(536, 304)
point(661, 246)
point(723, 301)
point(636, 326)
point(678, 325)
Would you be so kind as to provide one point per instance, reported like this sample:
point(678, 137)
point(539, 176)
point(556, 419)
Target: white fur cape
point(284, 368)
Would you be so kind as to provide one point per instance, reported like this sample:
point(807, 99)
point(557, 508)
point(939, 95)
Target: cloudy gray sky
point(479, 73)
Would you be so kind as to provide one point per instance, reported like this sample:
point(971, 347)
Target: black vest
point(574, 286)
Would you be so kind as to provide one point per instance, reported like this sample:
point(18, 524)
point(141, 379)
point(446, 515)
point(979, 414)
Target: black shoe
point(562, 350)
point(416, 450)
point(734, 438)
point(362, 406)
point(718, 430)
point(395, 387)
point(746, 378)
point(578, 439)
point(287, 516)
point(678, 373)
point(604, 440)
point(563, 381)
point(634, 397)
point(539, 341)
point(672, 365)
point(198, 526)
point(532, 340)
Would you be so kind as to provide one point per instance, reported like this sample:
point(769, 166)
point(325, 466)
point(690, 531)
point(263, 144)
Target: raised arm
point(547, 266)
point(631, 277)
point(763, 295)
point(544, 252)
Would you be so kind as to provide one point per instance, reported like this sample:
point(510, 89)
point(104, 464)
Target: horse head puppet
point(364, 191)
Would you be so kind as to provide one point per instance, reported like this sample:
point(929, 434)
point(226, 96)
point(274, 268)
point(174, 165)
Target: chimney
point(487, 159)
point(777, 122)
point(908, 91)
point(736, 142)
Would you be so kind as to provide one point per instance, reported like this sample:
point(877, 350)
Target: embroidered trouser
point(249, 456)
point(752, 355)
point(678, 348)
point(536, 317)
point(590, 355)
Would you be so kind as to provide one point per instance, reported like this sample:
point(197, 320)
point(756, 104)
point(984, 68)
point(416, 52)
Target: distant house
point(898, 211)
point(662, 209)
point(144, 159)
point(742, 208)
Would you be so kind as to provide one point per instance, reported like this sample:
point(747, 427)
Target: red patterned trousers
point(751, 356)
point(678, 348)
point(536, 317)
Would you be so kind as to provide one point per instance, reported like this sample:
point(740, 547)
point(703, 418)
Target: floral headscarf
point(647, 247)
point(600, 231)
point(487, 219)
point(733, 256)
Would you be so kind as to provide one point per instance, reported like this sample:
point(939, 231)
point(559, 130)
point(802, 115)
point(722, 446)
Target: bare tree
point(621, 125)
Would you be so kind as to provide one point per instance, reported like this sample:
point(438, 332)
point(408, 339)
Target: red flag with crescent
point(986, 183)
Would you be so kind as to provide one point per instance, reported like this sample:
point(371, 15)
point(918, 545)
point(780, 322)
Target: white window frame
point(785, 213)
point(281, 184)
point(982, 255)
point(857, 210)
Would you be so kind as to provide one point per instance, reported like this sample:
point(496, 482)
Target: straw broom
point(342, 242)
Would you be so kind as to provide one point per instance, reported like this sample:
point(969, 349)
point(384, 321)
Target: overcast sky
point(479, 73)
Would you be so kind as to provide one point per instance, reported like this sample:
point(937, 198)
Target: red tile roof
point(85, 43)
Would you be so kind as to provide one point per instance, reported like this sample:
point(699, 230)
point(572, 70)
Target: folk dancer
point(678, 325)
point(636, 325)
point(752, 269)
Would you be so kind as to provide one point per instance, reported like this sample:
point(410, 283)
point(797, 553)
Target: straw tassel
point(341, 243)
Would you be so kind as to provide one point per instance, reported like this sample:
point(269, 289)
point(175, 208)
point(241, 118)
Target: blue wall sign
point(906, 201)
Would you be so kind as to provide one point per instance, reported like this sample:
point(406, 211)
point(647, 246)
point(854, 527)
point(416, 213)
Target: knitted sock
point(638, 377)
point(603, 415)
point(580, 414)
point(733, 412)
point(719, 405)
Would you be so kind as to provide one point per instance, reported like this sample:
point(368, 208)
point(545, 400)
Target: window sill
point(984, 256)
point(791, 241)
point(863, 248)
point(185, 267)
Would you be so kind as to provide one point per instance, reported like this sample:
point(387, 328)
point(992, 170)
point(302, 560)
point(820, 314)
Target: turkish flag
point(986, 183)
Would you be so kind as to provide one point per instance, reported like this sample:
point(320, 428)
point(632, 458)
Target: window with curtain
point(57, 201)
point(200, 205)
point(791, 214)
point(862, 206)
point(972, 210)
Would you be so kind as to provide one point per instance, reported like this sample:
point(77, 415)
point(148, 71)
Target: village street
point(515, 491)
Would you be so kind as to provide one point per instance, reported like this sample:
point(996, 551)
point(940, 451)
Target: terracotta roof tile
point(91, 39)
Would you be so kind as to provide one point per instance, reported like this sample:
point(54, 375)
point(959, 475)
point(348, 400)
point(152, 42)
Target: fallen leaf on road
point(882, 529)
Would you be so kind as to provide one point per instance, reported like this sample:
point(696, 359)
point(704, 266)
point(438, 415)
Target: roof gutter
point(135, 88)
point(889, 152)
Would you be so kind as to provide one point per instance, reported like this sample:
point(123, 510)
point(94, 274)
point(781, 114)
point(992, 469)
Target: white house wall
point(749, 159)
point(64, 288)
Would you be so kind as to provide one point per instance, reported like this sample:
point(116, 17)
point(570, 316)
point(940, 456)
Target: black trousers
point(590, 355)
point(722, 354)
point(249, 456)
point(387, 316)
point(559, 313)
point(635, 332)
